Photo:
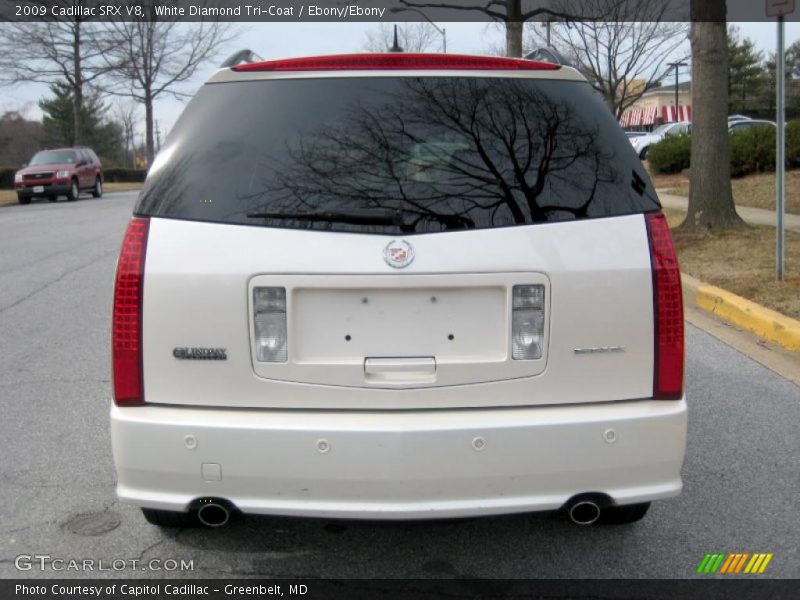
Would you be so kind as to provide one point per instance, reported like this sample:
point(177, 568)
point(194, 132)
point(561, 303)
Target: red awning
point(650, 114)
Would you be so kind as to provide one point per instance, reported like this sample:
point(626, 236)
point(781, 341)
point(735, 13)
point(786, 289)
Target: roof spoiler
point(548, 54)
point(242, 56)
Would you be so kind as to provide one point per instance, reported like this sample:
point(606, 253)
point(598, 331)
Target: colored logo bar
point(734, 563)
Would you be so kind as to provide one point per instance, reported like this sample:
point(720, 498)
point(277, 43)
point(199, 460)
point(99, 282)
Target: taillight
point(392, 61)
point(126, 324)
point(668, 310)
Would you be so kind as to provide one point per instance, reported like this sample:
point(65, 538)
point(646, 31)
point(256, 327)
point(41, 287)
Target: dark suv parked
point(60, 172)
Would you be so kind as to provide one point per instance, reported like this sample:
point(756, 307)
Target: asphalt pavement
point(742, 472)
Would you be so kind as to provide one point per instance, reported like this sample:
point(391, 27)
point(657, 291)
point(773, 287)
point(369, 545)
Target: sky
point(276, 40)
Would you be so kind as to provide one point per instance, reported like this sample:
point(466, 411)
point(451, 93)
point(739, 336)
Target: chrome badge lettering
point(200, 353)
point(600, 350)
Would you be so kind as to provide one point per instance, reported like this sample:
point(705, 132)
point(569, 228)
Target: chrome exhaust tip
point(213, 514)
point(584, 512)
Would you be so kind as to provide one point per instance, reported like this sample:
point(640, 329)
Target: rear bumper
point(398, 464)
point(49, 190)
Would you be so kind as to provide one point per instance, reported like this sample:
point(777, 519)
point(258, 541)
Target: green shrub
point(118, 175)
point(7, 177)
point(753, 151)
point(671, 155)
point(793, 144)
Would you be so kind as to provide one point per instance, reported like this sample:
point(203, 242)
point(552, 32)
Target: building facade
point(657, 107)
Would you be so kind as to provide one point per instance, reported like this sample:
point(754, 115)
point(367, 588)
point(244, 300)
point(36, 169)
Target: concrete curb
point(738, 311)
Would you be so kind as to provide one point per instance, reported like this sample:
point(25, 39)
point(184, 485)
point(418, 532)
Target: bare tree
point(511, 13)
point(125, 115)
point(625, 55)
point(155, 56)
point(66, 51)
point(412, 37)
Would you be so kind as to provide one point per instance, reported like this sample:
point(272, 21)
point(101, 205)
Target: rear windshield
point(396, 155)
point(53, 157)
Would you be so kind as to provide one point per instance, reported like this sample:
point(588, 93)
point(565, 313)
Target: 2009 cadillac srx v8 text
point(397, 286)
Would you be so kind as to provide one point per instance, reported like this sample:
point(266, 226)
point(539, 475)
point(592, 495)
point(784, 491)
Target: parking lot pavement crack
point(152, 546)
point(63, 276)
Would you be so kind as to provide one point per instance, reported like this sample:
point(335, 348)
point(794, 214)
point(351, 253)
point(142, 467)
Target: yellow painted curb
point(765, 323)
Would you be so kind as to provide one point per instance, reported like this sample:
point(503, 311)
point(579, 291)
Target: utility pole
point(677, 65)
point(780, 154)
point(779, 9)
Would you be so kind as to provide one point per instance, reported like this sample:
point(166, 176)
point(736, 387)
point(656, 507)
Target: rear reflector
point(377, 61)
point(668, 310)
point(127, 318)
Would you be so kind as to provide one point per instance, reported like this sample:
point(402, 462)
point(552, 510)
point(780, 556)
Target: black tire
point(168, 518)
point(97, 191)
point(74, 191)
point(23, 199)
point(620, 515)
point(643, 153)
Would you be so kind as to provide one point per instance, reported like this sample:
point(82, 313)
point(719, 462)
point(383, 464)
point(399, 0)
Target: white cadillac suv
point(397, 286)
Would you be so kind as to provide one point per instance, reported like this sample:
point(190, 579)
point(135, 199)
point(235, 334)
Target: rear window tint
point(396, 155)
